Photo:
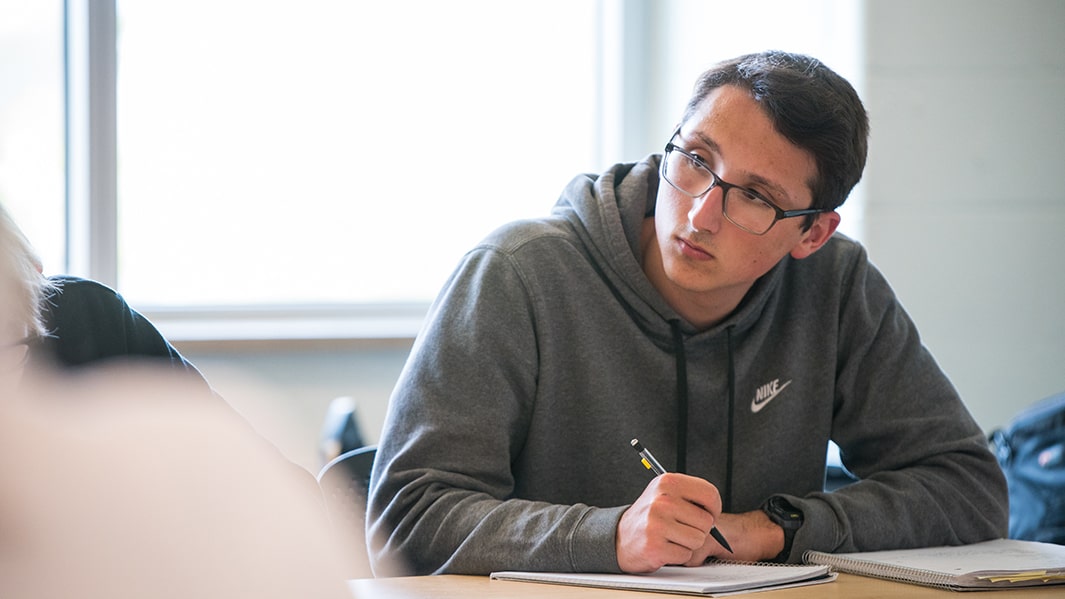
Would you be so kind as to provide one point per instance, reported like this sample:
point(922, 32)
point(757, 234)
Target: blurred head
point(22, 290)
point(22, 286)
point(122, 482)
point(810, 105)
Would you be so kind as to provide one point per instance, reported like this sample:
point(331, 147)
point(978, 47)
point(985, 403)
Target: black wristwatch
point(788, 517)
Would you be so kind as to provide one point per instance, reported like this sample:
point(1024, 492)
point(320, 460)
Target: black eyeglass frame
point(716, 181)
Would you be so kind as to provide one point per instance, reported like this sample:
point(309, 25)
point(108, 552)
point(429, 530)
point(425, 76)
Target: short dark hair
point(810, 105)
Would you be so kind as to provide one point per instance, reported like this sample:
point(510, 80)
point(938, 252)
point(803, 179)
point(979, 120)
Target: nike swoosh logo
point(757, 404)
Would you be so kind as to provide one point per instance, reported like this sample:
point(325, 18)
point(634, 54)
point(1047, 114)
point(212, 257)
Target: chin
point(691, 280)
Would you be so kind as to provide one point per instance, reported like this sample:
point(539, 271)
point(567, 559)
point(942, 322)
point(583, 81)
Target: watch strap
point(788, 518)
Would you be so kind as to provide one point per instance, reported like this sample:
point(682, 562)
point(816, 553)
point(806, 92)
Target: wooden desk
point(481, 587)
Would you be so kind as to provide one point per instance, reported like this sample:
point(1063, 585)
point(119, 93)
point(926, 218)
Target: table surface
point(463, 587)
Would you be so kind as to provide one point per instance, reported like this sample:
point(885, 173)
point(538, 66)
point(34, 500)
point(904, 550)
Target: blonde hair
point(23, 284)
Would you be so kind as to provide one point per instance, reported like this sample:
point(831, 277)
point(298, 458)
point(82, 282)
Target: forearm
point(432, 529)
point(949, 500)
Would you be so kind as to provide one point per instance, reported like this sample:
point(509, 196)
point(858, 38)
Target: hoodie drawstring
point(681, 362)
point(726, 497)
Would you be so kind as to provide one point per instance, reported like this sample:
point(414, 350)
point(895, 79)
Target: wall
point(964, 214)
point(965, 187)
point(283, 389)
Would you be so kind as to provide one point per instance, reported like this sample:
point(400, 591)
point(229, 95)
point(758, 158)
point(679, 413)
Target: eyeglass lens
point(740, 206)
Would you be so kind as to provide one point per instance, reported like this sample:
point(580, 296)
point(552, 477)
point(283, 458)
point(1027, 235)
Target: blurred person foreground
point(121, 482)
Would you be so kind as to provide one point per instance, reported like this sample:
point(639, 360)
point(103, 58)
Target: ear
point(817, 235)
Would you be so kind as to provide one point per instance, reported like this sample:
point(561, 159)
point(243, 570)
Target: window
point(331, 151)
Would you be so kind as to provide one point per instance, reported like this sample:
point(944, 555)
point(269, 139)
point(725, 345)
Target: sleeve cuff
point(820, 529)
point(592, 542)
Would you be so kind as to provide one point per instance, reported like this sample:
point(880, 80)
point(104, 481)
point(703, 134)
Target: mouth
point(692, 250)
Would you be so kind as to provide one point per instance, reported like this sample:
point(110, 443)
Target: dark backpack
point(1031, 451)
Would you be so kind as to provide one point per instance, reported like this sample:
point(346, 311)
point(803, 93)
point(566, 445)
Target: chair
point(341, 431)
point(836, 474)
point(344, 482)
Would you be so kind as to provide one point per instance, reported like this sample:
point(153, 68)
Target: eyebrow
point(707, 141)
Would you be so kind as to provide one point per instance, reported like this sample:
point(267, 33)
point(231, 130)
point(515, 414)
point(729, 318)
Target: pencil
point(652, 464)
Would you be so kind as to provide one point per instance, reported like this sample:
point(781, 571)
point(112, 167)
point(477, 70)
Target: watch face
point(785, 514)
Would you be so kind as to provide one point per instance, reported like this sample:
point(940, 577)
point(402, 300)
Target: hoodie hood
point(608, 212)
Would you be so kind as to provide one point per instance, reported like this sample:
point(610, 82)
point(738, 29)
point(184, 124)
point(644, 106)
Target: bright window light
point(330, 151)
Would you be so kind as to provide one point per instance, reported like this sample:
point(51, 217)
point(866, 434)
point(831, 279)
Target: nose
point(706, 211)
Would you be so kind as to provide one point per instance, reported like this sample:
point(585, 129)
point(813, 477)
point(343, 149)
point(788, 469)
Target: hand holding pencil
point(652, 464)
point(670, 523)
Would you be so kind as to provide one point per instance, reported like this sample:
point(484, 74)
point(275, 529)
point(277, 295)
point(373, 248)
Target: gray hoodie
point(507, 440)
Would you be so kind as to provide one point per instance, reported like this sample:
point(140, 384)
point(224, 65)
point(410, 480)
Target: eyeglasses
point(746, 209)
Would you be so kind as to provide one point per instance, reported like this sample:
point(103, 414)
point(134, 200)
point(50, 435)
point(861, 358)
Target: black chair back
point(344, 482)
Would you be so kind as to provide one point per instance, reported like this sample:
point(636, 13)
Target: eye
point(687, 162)
point(692, 162)
point(749, 197)
point(698, 159)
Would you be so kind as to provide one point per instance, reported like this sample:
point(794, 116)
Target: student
point(68, 322)
point(700, 301)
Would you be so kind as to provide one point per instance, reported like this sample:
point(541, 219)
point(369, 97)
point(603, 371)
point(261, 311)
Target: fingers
point(668, 524)
point(679, 521)
point(696, 491)
point(710, 549)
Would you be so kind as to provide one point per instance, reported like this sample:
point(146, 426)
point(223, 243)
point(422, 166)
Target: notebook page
point(711, 578)
point(1001, 555)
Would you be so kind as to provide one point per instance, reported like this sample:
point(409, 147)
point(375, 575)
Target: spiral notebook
point(712, 580)
point(999, 564)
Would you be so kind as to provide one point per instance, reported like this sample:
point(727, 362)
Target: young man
point(700, 301)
